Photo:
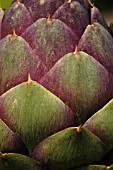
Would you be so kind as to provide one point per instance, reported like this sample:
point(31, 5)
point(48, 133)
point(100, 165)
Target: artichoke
point(56, 86)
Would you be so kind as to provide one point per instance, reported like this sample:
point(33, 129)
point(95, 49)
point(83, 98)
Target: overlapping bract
point(66, 48)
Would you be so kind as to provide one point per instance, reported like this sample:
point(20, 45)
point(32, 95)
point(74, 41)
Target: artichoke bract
point(56, 86)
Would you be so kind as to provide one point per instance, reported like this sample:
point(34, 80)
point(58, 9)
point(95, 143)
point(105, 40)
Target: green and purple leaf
point(74, 16)
point(51, 39)
point(34, 113)
point(101, 124)
point(69, 148)
point(97, 42)
point(17, 61)
point(12, 161)
point(18, 18)
point(81, 82)
point(9, 142)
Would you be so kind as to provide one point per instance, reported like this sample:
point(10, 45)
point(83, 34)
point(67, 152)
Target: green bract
point(56, 86)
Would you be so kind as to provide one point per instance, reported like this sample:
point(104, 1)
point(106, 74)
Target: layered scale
point(56, 86)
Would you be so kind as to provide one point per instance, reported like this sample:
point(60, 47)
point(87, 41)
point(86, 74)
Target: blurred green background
point(105, 6)
point(5, 3)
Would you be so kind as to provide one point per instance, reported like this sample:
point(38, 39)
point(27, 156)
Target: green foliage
point(5, 4)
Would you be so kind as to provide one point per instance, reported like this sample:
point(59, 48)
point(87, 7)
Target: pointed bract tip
point(18, 2)
point(92, 4)
point(1, 155)
point(94, 23)
point(111, 24)
point(42, 2)
point(29, 82)
point(49, 18)
point(14, 33)
point(79, 128)
point(69, 1)
point(0, 7)
point(76, 50)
